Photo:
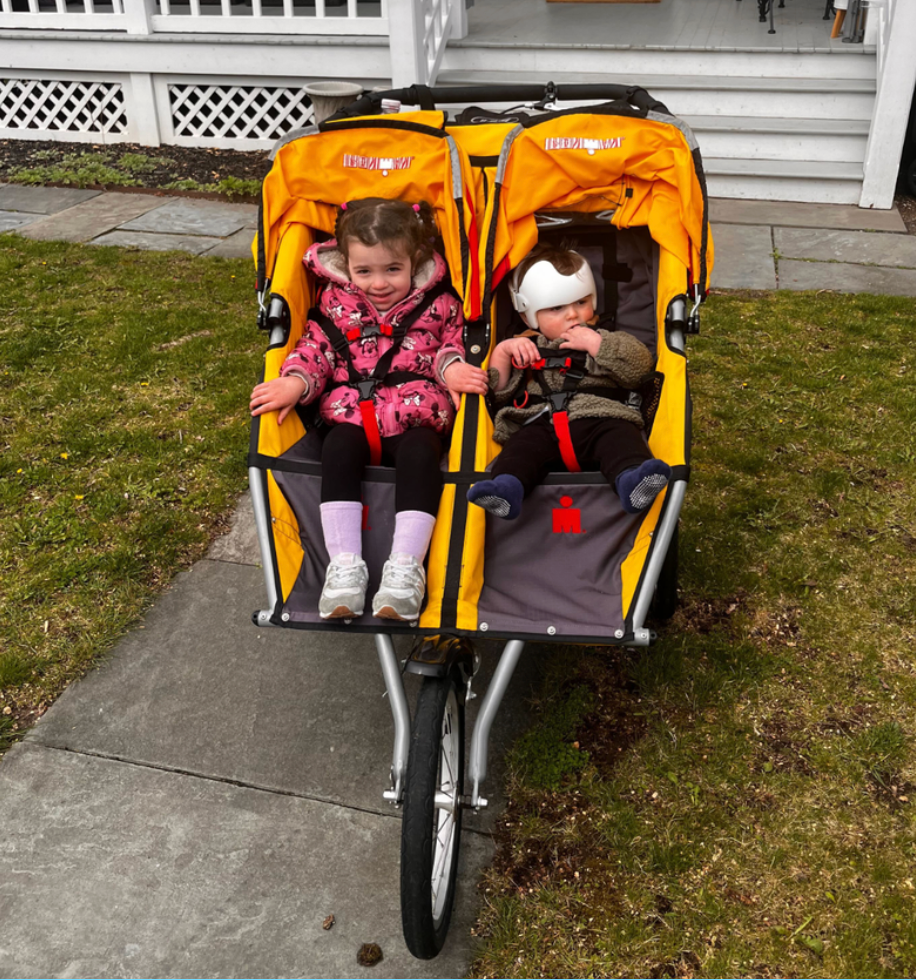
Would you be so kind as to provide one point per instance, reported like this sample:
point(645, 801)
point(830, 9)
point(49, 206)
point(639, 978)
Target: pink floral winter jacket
point(434, 340)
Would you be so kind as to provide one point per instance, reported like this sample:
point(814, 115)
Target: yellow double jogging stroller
point(606, 167)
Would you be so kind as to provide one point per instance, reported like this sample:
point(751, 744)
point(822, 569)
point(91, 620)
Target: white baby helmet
point(544, 287)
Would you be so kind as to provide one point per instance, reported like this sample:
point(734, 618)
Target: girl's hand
point(279, 395)
point(461, 377)
point(581, 338)
point(519, 351)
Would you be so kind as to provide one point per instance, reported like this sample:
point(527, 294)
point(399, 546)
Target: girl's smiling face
point(382, 273)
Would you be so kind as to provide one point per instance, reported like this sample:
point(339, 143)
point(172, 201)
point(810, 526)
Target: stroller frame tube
point(665, 530)
point(663, 535)
point(400, 712)
point(480, 738)
point(256, 479)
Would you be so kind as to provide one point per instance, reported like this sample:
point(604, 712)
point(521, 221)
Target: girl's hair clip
point(343, 206)
point(416, 208)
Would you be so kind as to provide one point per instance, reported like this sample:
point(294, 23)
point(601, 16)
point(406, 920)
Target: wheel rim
point(445, 811)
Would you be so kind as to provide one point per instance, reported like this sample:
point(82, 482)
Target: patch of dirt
point(608, 731)
point(685, 965)
point(907, 207)
point(781, 751)
point(701, 615)
point(205, 165)
point(895, 791)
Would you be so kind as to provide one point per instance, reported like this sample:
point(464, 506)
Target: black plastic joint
point(366, 389)
point(558, 401)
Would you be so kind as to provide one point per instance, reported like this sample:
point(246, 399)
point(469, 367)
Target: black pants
point(415, 455)
point(614, 444)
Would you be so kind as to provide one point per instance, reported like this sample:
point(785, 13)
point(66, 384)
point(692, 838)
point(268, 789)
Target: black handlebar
point(426, 98)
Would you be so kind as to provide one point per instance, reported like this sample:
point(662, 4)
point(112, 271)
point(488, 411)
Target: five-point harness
point(367, 384)
point(572, 365)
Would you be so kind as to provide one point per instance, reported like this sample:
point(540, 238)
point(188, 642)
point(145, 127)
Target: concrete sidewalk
point(199, 805)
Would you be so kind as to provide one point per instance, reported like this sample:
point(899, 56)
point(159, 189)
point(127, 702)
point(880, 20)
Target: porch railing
point(356, 17)
point(883, 12)
point(894, 33)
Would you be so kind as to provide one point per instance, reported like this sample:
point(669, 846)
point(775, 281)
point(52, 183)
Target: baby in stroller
point(568, 399)
point(384, 358)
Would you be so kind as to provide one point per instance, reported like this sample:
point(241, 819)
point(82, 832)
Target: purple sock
point(413, 530)
point(342, 524)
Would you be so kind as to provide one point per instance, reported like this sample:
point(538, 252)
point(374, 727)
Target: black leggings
point(415, 454)
point(614, 444)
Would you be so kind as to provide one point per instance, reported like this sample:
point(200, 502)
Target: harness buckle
point(353, 334)
point(558, 400)
point(366, 388)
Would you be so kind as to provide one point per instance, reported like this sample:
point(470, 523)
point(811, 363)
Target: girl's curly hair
point(379, 221)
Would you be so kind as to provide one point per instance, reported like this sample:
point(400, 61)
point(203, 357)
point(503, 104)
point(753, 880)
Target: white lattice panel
point(237, 111)
point(53, 105)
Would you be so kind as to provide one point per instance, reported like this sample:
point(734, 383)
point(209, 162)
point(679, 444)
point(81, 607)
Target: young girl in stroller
point(554, 291)
point(386, 325)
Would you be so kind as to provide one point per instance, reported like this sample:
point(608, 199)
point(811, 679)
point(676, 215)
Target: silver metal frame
point(480, 737)
point(397, 697)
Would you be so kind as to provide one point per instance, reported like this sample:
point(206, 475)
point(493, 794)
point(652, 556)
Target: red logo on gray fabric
point(566, 518)
point(366, 518)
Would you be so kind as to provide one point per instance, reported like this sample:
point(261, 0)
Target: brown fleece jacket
point(622, 362)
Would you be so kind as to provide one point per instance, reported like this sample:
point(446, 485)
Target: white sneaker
point(344, 592)
point(401, 591)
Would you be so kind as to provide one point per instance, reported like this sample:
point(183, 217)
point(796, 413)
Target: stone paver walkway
point(758, 244)
point(133, 220)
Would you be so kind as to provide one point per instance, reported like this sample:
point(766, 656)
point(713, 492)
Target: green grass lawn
point(738, 800)
point(124, 378)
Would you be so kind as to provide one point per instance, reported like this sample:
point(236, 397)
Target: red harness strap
point(366, 388)
point(373, 436)
point(561, 429)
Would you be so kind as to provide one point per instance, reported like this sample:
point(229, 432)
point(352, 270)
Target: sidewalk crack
point(240, 783)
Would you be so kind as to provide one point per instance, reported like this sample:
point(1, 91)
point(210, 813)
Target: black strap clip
point(559, 400)
point(366, 388)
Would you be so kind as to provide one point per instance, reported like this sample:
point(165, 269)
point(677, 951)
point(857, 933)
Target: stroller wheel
point(431, 826)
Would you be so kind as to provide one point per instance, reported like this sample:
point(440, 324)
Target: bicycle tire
point(431, 826)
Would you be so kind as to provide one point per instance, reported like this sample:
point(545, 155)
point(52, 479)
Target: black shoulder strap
point(338, 341)
point(383, 366)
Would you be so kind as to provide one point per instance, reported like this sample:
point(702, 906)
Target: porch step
point(713, 95)
point(774, 138)
point(827, 182)
point(816, 140)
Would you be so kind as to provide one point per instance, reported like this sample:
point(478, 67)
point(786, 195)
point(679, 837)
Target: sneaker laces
point(398, 576)
point(343, 575)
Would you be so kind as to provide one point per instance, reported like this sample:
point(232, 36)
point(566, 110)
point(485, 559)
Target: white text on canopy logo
point(582, 143)
point(353, 161)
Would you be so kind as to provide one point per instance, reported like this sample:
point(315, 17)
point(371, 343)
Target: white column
point(406, 26)
point(459, 20)
point(142, 117)
point(137, 14)
point(891, 112)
